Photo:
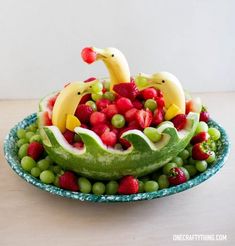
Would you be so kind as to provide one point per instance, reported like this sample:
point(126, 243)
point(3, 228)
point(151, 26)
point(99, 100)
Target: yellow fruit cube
point(171, 112)
point(72, 122)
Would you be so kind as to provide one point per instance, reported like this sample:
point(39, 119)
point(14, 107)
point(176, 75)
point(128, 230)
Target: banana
point(116, 64)
point(67, 102)
point(170, 86)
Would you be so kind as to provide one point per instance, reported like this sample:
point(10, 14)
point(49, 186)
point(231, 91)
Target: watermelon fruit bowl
point(11, 155)
point(121, 138)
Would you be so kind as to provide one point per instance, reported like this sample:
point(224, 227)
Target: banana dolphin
point(170, 86)
point(67, 101)
point(116, 64)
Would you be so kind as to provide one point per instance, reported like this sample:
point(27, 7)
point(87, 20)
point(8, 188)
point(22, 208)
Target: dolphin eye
point(163, 81)
point(112, 55)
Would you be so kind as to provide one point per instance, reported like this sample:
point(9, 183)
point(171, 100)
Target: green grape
point(191, 161)
point(96, 96)
point(27, 163)
point(151, 186)
point(35, 138)
point(178, 160)
point(141, 186)
point(112, 187)
point(211, 158)
point(189, 149)
point(191, 170)
point(23, 150)
point(167, 167)
point(84, 185)
point(163, 181)
point(97, 87)
point(47, 177)
point(141, 81)
point(98, 188)
point(92, 105)
point(109, 95)
point(201, 127)
point(106, 85)
point(118, 121)
point(184, 154)
point(214, 133)
point(48, 158)
point(212, 145)
point(153, 134)
point(201, 166)
point(32, 128)
point(56, 169)
point(77, 138)
point(56, 181)
point(21, 133)
point(28, 135)
point(186, 173)
point(35, 171)
point(43, 164)
point(21, 141)
point(151, 104)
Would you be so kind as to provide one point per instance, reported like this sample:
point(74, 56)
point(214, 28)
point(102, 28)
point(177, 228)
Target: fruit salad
point(119, 135)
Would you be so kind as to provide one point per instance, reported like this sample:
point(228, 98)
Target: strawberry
point(110, 111)
point(158, 116)
point(85, 98)
point(68, 181)
point(109, 138)
point(97, 118)
point(144, 117)
point(200, 137)
point(134, 125)
point(179, 121)
point(137, 104)
point(123, 104)
point(69, 136)
point(99, 129)
point(83, 113)
point(160, 102)
point(35, 150)
point(89, 79)
point(176, 176)
point(130, 114)
point(200, 151)
point(88, 55)
point(204, 116)
point(149, 93)
point(78, 145)
point(102, 103)
point(128, 90)
point(159, 93)
point(128, 185)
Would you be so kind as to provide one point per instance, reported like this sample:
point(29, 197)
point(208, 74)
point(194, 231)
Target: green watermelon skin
point(101, 163)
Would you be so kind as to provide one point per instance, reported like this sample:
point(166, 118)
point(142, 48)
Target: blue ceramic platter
point(10, 150)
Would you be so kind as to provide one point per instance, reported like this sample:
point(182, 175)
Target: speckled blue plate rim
point(10, 151)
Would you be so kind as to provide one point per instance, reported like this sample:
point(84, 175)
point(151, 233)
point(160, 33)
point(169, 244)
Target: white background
point(41, 41)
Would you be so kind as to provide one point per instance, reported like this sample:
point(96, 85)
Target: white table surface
point(29, 216)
